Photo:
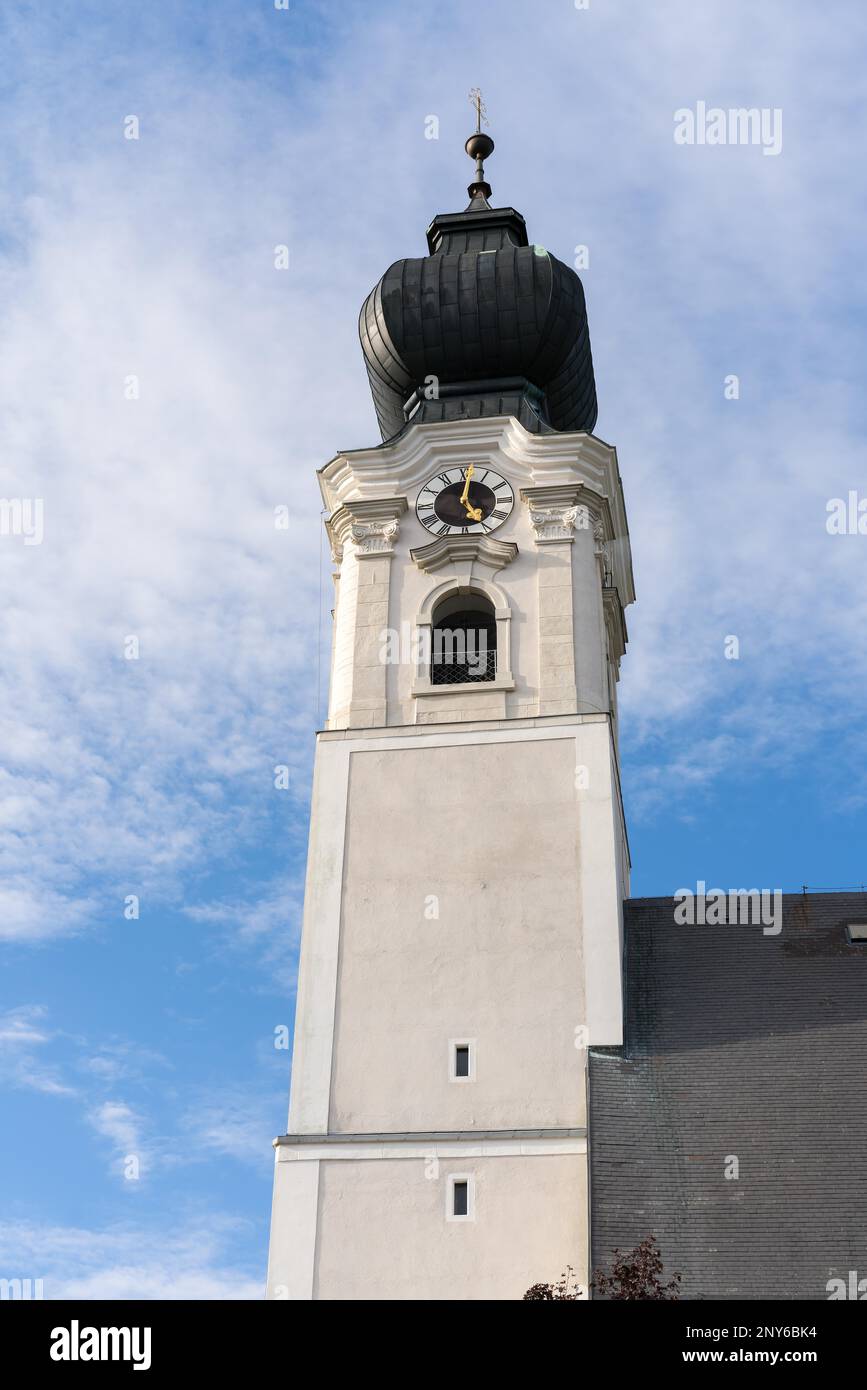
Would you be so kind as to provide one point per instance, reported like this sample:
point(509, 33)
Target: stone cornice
point(427, 1136)
point(538, 459)
point(446, 550)
point(615, 622)
point(557, 495)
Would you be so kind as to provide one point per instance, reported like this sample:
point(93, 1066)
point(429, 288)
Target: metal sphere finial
point(479, 147)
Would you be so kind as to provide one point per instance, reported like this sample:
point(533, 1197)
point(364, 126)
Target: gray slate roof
point(738, 1044)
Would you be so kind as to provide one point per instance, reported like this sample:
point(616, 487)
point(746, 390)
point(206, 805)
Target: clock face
point(448, 506)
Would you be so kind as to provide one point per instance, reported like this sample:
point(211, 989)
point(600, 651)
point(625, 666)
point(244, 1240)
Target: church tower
point(468, 858)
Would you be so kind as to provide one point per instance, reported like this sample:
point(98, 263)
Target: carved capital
point(557, 511)
point(557, 523)
point(371, 527)
point(374, 537)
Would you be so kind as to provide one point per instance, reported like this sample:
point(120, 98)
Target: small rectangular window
point(462, 1059)
point(460, 1197)
point(857, 933)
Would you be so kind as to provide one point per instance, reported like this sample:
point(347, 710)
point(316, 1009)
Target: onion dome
point(486, 324)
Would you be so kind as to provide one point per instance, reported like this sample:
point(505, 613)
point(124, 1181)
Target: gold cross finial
point(481, 110)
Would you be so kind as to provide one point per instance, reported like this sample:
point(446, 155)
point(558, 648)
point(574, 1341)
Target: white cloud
point(30, 912)
point(117, 1121)
point(228, 1121)
point(122, 1126)
point(118, 1059)
point(235, 1123)
point(265, 923)
point(23, 1032)
point(26, 1034)
point(159, 524)
point(181, 1260)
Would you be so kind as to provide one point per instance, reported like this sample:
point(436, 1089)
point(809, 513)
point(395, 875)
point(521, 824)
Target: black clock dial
point(488, 502)
point(449, 508)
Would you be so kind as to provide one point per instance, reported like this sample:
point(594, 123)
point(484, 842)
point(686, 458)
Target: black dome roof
point(500, 325)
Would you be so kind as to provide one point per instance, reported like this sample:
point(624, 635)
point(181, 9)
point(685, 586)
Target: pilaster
point(555, 513)
point(363, 535)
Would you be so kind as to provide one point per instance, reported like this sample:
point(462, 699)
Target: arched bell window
point(463, 640)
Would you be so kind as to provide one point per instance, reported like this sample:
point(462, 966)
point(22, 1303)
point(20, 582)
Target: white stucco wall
point(538, 947)
point(383, 1232)
point(486, 835)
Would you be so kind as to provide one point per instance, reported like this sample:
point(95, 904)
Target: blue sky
point(155, 259)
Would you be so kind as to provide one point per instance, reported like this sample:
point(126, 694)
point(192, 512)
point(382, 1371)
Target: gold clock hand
point(474, 512)
point(466, 492)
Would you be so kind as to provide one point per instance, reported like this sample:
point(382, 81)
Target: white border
point(418, 1149)
point(454, 1044)
point(470, 1180)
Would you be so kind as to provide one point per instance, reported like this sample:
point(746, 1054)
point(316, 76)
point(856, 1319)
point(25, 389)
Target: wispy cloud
point(119, 1059)
point(224, 1121)
point(122, 1126)
point(238, 1124)
point(24, 1034)
point(32, 912)
point(183, 1260)
point(266, 925)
